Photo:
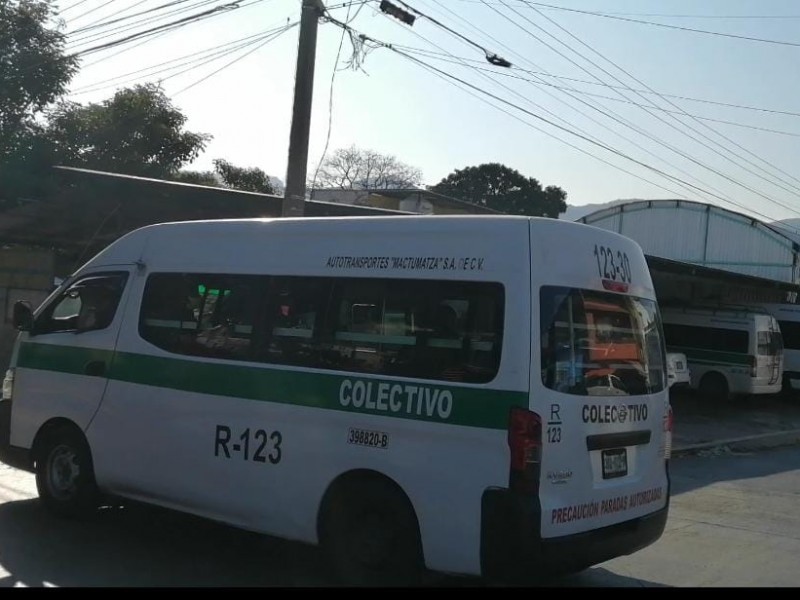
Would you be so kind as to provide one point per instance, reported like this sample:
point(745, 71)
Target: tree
point(503, 189)
point(138, 131)
point(34, 72)
point(208, 178)
point(250, 179)
point(358, 169)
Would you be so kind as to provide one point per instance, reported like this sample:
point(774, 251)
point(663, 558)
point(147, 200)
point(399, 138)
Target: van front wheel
point(65, 475)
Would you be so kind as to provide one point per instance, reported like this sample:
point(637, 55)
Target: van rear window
point(599, 343)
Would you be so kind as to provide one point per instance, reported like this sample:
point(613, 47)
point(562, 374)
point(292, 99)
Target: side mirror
point(23, 315)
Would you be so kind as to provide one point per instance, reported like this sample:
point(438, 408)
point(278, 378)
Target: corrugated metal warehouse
point(703, 253)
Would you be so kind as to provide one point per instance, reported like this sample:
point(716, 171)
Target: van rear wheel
point(65, 474)
point(714, 386)
point(371, 535)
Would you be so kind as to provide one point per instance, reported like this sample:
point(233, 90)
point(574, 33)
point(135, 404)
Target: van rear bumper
point(512, 549)
point(19, 458)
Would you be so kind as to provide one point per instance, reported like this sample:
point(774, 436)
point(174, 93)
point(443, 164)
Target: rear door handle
point(95, 368)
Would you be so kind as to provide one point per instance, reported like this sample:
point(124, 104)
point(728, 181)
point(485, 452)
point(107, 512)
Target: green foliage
point(249, 179)
point(34, 72)
point(138, 132)
point(197, 177)
point(503, 189)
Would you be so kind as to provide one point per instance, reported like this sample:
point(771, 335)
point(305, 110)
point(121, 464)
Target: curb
point(751, 442)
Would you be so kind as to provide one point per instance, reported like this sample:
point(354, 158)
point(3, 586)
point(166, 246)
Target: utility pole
point(296, 171)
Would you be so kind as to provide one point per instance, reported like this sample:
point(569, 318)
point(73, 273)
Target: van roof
point(130, 247)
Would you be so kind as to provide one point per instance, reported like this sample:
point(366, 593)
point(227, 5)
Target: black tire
point(371, 535)
point(714, 386)
point(65, 474)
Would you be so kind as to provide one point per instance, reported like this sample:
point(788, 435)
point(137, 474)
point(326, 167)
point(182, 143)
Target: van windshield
point(599, 343)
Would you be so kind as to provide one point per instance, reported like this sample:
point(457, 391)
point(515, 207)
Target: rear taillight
point(753, 366)
point(8, 384)
point(525, 444)
point(668, 434)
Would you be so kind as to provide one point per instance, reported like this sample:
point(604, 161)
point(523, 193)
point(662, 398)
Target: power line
point(647, 110)
point(490, 56)
point(194, 63)
point(194, 57)
point(347, 20)
point(179, 23)
point(258, 47)
point(675, 16)
point(101, 23)
point(620, 120)
point(607, 113)
point(90, 11)
point(460, 59)
point(612, 116)
point(92, 36)
point(149, 39)
point(71, 6)
point(611, 86)
point(480, 90)
point(675, 118)
point(664, 25)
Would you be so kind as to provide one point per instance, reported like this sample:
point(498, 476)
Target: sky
point(601, 105)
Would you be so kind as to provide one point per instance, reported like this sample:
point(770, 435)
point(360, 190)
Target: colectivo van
point(732, 350)
point(788, 317)
point(473, 395)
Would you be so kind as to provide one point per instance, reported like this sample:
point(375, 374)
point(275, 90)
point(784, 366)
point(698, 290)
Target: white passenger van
point(788, 317)
point(473, 395)
point(731, 350)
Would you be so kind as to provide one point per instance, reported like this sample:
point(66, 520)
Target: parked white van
point(732, 351)
point(473, 395)
point(678, 374)
point(788, 316)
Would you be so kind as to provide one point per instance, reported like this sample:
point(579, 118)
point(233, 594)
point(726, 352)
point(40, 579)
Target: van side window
point(88, 304)
point(295, 312)
point(707, 338)
point(201, 315)
point(424, 329)
point(790, 330)
point(448, 331)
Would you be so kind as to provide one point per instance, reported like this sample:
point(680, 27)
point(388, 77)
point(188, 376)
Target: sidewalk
point(755, 422)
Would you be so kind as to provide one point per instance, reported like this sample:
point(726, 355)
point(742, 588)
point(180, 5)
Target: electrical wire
point(258, 47)
point(609, 115)
point(781, 185)
point(689, 29)
point(479, 90)
point(347, 20)
point(648, 111)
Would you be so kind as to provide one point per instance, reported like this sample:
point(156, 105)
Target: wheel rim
point(63, 471)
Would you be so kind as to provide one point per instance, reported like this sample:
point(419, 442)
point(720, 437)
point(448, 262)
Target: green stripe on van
point(425, 401)
point(714, 357)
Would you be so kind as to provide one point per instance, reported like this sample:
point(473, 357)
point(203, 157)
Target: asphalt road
point(733, 522)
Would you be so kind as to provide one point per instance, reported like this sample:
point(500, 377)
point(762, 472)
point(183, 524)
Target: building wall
point(24, 275)
point(705, 235)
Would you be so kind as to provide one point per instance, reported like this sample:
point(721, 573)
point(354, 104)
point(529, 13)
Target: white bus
point(732, 351)
point(788, 317)
point(468, 395)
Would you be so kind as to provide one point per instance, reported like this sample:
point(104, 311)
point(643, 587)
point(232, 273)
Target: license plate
point(615, 463)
